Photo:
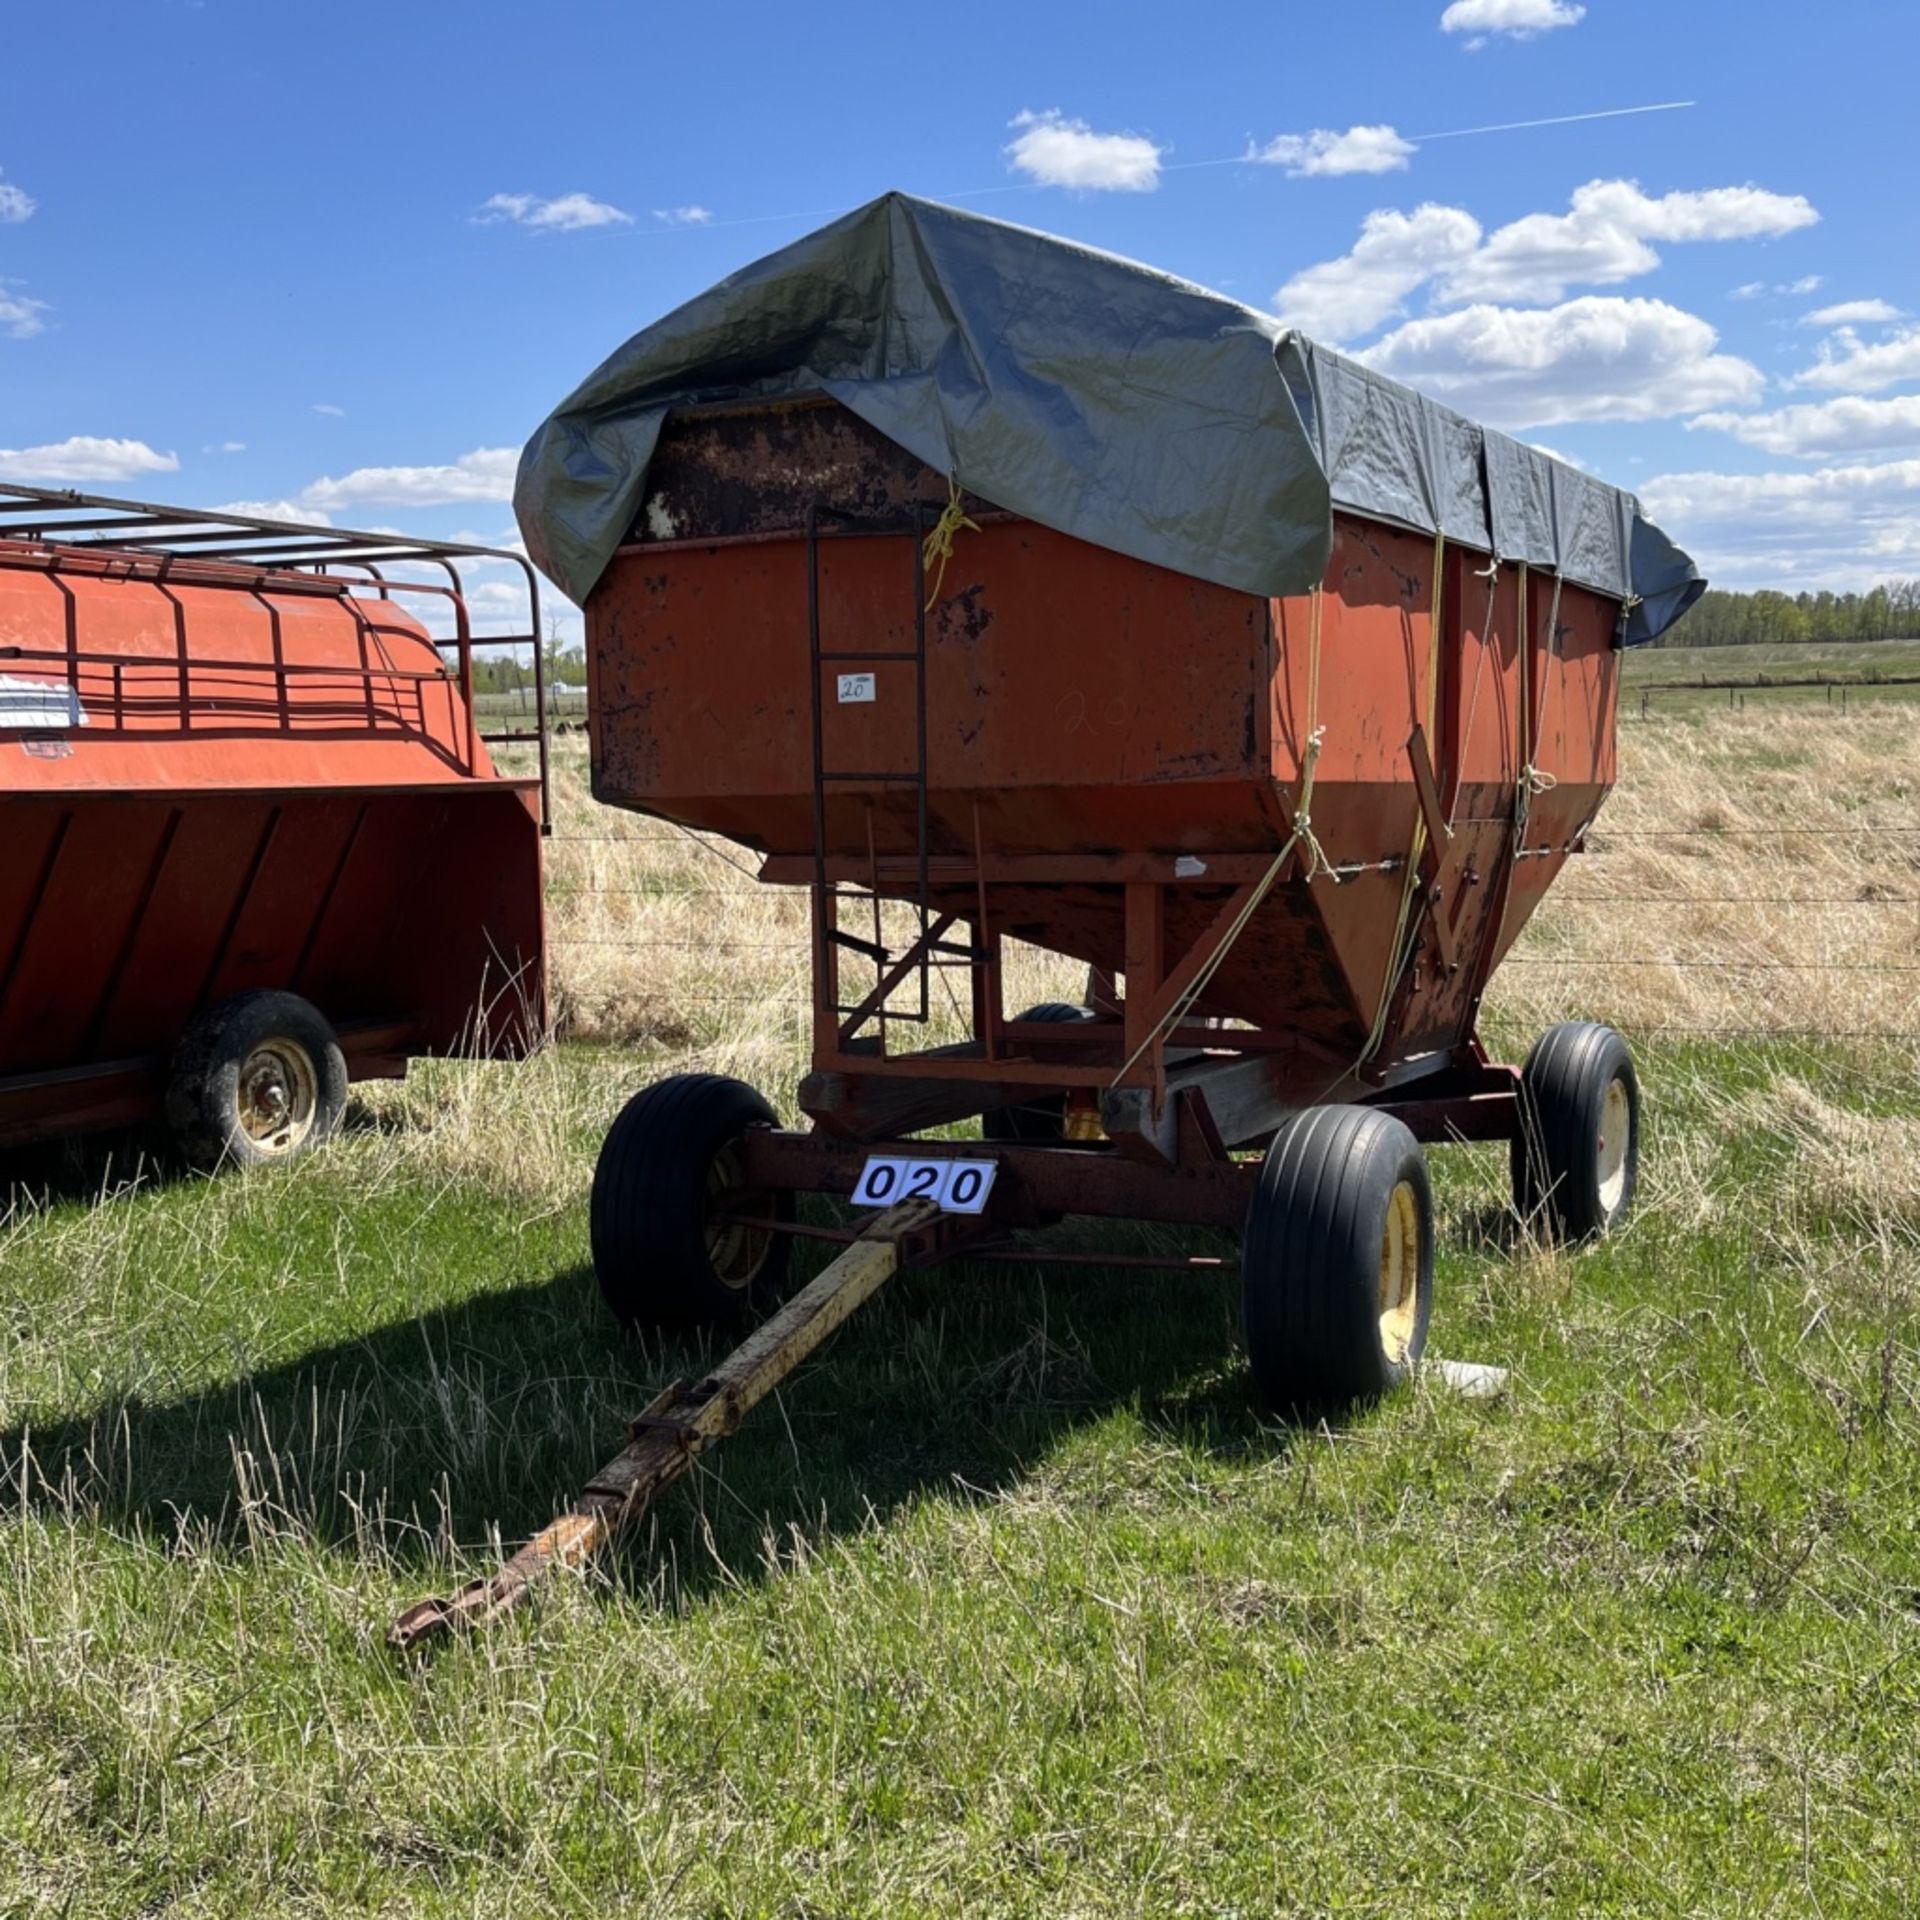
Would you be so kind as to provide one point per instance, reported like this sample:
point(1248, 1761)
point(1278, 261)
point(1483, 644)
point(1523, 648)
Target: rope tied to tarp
point(1534, 779)
point(1401, 951)
point(937, 548)
point(1302, 837)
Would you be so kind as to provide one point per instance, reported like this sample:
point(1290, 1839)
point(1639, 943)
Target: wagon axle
point(693, 1218)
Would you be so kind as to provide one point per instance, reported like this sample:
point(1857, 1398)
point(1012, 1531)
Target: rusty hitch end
point(569, 1541)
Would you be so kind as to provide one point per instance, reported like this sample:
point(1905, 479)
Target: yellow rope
point(1490, 573)
point(1532, 779)
point(937, 549)
point(1303, 835)
point(1402, 949)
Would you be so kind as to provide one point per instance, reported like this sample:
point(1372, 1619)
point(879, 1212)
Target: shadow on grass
point(489, 1413)
point(89, 1166)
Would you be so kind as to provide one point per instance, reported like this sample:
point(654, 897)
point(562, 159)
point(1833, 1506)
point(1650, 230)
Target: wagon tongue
point(679, 1426)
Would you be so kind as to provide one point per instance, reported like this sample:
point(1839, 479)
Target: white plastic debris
point(1472, 1379)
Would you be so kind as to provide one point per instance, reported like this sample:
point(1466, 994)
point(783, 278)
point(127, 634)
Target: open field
point(1015, 1601)
point(1850, 669)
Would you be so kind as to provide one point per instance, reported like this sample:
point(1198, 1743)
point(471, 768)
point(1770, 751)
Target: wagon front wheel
point(1337, 1264)
point(256, 1080)
point(1576, 1156)
point(672, 1246)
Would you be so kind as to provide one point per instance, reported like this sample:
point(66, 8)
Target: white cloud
point(485, 474)
point(15, 204)
point(1396, 254)
point(276, 510)
point(1847, 364)
point(1753, 289)
point(1554, 453)
point(682, 216)
point(1853, 313)
point(226, 446)
point(1597, 358)
point(1841, 527)
point(1517, 19)
point(1058, 152)
point(84, 458)
point(20, 317)
point(329, 409)
point(566, 213)
point(1358, 150)
point(1603, 238)
point(1848, 425)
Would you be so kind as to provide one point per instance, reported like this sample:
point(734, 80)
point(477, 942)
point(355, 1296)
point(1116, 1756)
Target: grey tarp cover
point(1096, 396)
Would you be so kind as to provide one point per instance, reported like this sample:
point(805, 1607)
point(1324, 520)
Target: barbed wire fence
point(734, 881)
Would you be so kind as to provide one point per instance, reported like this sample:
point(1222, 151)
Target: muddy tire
point(1576, 1158)
point(256, 1081)
point(1039, 1122)
point(661, 1257)
point(1337, 1262)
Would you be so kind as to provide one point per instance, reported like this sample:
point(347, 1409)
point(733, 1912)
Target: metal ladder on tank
point(892, 967)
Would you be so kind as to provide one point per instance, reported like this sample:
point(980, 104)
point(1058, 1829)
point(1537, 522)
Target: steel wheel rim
point(1399, 1298)
point(277, 1097)
point(735, 1251)
point(1610, 1152)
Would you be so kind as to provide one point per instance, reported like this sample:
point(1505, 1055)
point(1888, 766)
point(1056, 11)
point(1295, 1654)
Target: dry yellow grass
point(1766, 898)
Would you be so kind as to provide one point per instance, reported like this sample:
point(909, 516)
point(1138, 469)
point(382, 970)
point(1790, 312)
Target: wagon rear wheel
point(669, 1248)
point(1576, 1158)
point(257, 1080)
point(1337, 1265)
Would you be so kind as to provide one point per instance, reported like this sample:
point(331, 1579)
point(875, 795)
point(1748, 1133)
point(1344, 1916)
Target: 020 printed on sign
point(954, 1186)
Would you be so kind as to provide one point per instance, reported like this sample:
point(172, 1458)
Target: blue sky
point(347, 257)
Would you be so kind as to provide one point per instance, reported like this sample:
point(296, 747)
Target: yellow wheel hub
point(735, 1250)
point(1400, 1273)
point(1610, 1151)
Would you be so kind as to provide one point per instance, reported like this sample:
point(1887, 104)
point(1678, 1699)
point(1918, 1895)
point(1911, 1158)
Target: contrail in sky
point(1178, 166)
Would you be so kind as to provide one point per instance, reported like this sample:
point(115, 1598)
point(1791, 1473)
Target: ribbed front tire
point(1576, 1157)
point(665, 1250)
point(1337, 1263)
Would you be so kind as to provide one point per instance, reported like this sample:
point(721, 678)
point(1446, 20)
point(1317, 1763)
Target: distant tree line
point(498, 671)
point(1890, 611)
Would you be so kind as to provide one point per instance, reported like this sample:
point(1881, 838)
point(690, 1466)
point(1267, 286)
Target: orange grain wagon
point(996, 590)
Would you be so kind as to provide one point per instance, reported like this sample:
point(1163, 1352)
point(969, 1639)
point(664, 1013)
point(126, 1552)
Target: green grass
point(1015, 1601)
point(1852, 666)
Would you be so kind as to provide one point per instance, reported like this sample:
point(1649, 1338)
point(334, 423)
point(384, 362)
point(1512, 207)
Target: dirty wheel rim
point(277, 1097)
point(1610, 1153)
point(735, 1251)
point(1400, 1273)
